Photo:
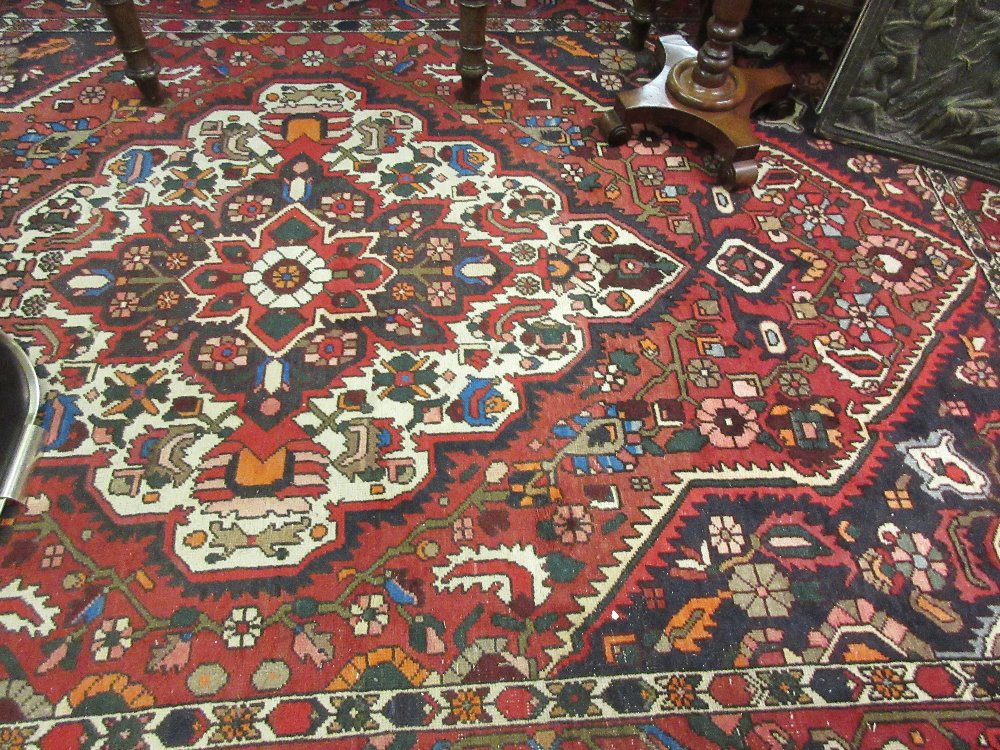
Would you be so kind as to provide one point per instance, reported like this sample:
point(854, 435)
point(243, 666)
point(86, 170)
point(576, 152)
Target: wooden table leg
point(140, 66)
point(640, 14)
point(703, 93)
point(472, 41)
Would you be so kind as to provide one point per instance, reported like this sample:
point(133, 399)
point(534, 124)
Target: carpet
point(380, 420)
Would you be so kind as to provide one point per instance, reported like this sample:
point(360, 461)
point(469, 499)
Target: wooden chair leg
point(140, 67)
point(472, 41)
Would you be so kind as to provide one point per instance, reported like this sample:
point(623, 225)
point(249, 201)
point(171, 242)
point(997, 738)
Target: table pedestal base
point(719, 115)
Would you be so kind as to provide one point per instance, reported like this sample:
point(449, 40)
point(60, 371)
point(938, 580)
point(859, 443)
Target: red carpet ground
point(382, 420)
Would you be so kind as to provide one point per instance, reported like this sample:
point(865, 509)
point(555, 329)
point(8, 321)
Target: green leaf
point(686, 441)
point(305, 607)
point(626, 361)
point(507, 622)
point(546, 529)
point(185, 617)
point(463, 628)
point(562, 568)
point(418, 631)
point(766, 439)
point(546, 621)
point(651, 448)
point(613, 523)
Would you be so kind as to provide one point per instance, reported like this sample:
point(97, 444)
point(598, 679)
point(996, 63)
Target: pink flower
point(572, 524)
point(727, 423)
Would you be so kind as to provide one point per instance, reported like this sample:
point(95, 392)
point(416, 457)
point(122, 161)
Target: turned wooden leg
point(472, 42)
point(140, 66)
point(703, 93)
point(640, 15)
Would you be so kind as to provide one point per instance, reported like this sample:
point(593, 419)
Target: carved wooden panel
point(920, 79)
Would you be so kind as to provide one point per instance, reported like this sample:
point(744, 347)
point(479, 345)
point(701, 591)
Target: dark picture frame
point(920, 79)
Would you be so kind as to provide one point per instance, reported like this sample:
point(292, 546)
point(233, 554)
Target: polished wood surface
point(703, 93)
point(472, 43)
point(140, 66)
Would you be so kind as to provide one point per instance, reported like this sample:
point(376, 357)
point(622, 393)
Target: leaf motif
point(172, 654)
point(313, 645)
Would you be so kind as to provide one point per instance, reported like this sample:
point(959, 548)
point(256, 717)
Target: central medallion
point(295, 275)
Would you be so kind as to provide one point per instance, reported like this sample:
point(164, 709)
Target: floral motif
point(369, 614)
point(727, 422)
point(573, 524)
point(112, 639)
point(893, 263)
point(243, 627)
point(726, 535)
point(761, 590)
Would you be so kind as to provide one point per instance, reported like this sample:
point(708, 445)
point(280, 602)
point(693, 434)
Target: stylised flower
point(123, 304)
point(112, 639)
point(462, 530)
point(610, 376)
point(403, 254)
point(287, 277)
point(892, 263)
point(865, 163)
point(651, 141)
point(441, 294)
point(726, 535)
point(176, 261)
point(243, 627)
point(405, 379)
point(245, 208)
point(704, 373)
point(313, 58)
point(9, 186)
point(573, 524)
point(727, 423)
point(343, 207)
point(384, 57)
point(440, 249)
point(466, 706)
point(649, 175)
point(403, 291)
point(221, 353)
point(978, 372)
point(167, 299)
point(186, 184)
point(617, 58)
point(761, 590)
point(333, 348)
point(369, 614)
point(680, 691)
point(785, 688)
point(235, 723)
point(815, 213)
point(915, 557)
point(573, 173)
point(889, 683)
point(514, 92)
point(136, 257)
point(609, 82)
point(407, 178)
point(794, 384)
point(864, 317)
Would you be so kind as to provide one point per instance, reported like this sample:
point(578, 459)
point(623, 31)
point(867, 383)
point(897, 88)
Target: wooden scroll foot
point(719, 115)
point(140, 67)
